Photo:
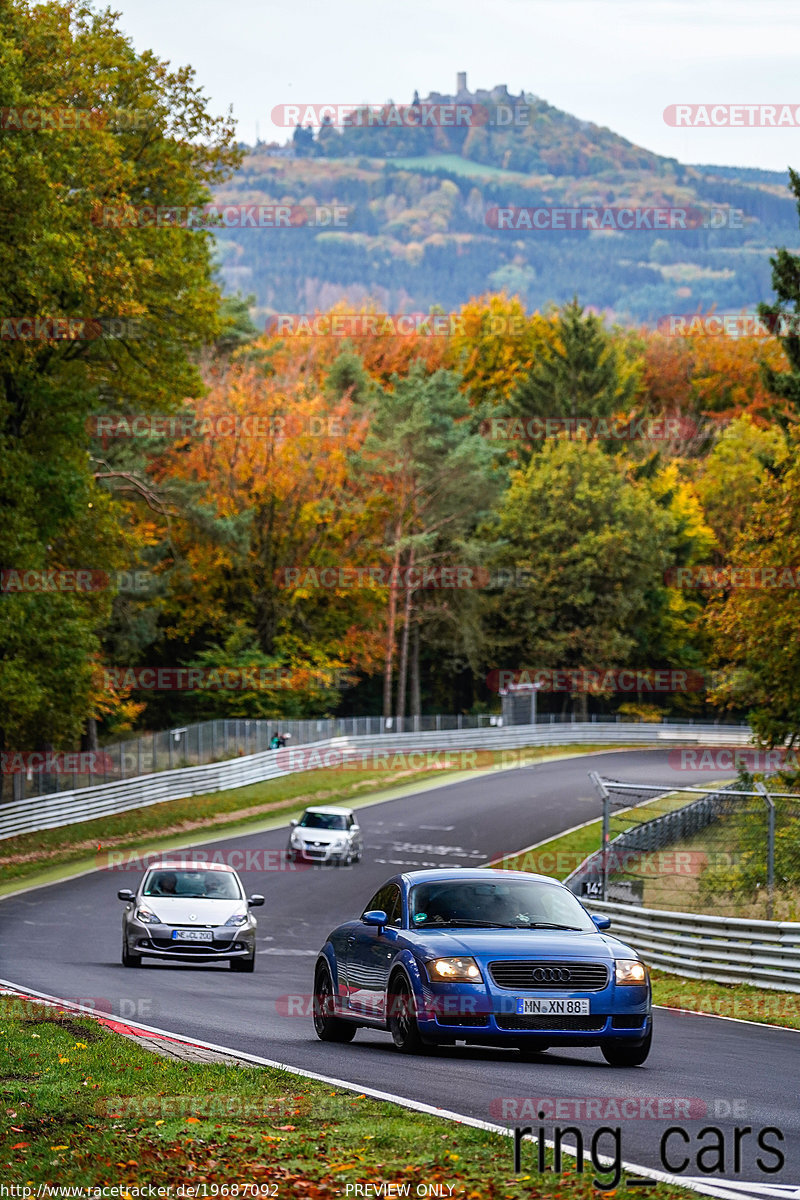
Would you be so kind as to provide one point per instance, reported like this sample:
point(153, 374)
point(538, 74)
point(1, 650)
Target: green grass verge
point(52, 854)
point(83, 1107)
point(561, 855)
point(451, 162)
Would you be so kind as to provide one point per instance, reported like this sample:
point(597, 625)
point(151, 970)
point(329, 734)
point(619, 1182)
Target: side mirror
point(601, 922)
point(124, 894)
point(255, 901)
point(375, 916)
point(293, 821)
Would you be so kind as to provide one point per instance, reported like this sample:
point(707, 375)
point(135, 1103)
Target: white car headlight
point(147, 916)
point(630, 970)
point(237, 919)
point(338, 843)
point(296, 838)
point(455, 970)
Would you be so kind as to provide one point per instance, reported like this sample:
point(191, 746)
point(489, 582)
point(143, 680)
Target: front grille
point(475, 1019)
point(565, 1024)
point(533, 974)
point(188, 947)
point(628, 1022)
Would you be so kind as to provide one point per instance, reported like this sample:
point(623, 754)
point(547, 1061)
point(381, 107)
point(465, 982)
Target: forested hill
point(419, 229)
point(495, 128)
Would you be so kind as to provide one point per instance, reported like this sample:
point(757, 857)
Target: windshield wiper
point(546, 925)
point(467, 921)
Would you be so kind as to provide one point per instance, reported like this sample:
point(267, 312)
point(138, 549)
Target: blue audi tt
point(483, 956)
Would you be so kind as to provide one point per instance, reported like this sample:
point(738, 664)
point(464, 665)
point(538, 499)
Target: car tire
point(621, 1054)
point(130, 960)
point(402, 1017)
point(328, 1027)
point(243, 964)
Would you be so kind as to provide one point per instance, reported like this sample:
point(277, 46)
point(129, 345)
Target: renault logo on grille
point(551, 975)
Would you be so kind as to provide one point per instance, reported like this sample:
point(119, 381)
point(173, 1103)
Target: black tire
point(403, 1018)
point(328, 1027)
point(130, 960)
point(243, 964)
point(621, 1054)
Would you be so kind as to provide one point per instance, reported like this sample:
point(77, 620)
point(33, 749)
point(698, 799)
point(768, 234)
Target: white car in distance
point(326, 834)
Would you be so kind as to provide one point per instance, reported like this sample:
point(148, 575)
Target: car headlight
point(147, 916)
point(455, 970)
point(296, 838)
point(237, 919)
point(630, 970)
point(338, 843)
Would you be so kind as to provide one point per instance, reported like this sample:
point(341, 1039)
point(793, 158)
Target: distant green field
point(450, 162)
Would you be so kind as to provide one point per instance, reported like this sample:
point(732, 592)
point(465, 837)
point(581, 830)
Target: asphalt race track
point(65, 940)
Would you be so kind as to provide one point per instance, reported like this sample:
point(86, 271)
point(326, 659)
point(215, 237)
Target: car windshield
point(318, 820)
point(509, 904)
point(193, 885)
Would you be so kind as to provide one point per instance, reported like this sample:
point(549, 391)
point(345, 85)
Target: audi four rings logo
point(551, 974)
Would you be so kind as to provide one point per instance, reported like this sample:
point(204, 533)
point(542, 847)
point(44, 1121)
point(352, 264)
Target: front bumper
point(465, 1012)
point(156, 941)
point(318, 854)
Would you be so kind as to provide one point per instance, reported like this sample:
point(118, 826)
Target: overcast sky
point(618, 63)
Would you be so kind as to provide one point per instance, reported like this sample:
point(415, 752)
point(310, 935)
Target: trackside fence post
point(606, 799)
point(762, 791)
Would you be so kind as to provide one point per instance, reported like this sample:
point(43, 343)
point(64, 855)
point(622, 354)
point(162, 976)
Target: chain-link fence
point(729, 851)
point(191, 745)
point(43, 774)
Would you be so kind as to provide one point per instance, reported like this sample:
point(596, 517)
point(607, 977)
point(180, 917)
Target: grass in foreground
point(85, 1107)
point(31, 855)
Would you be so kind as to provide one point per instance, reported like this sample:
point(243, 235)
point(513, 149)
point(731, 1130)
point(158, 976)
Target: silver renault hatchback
point(192, 911)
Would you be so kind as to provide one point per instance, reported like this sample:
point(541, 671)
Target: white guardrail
point(83, 804)
point(765, 954)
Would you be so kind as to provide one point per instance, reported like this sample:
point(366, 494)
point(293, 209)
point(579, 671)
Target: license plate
point(192, 935)
point(552, 1007)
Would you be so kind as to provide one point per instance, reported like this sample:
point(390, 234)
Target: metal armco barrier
point(648, 836)
point(726, 949)
point(65, 808)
